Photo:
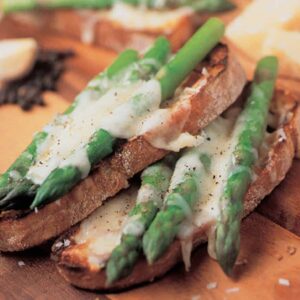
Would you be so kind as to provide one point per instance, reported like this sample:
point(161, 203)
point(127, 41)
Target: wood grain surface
point(269, 251)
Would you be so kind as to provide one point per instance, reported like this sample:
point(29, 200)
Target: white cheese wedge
point(286, 46)
point(17, 57)
point(263, 27)
point(250, 29)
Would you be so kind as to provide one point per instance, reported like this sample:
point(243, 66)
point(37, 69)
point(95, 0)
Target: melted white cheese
point(142, 19)
point(79, 159)
point(219, 145)
point(163, 129)
point(124, 121)
point(101, 231)
point(117, 111)
point(149, 193)
point(133, 226)
point(186, 250)
point(190, 161)
point(125, 111)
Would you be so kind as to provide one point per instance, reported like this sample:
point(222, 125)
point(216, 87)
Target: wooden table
point(270, 247)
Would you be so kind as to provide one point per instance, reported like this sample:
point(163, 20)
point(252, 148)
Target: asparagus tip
point(38, 199)
point(151, 254)
point(227, 267)
point(110, 278)
point(266, 68)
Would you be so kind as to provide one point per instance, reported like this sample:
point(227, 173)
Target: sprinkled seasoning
point(27, 91)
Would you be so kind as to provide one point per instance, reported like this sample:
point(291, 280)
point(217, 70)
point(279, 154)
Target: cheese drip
point(218, 148)
point(101, 231)
point(119, 111)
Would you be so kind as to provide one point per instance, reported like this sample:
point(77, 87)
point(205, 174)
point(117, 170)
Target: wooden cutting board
point(270, 247)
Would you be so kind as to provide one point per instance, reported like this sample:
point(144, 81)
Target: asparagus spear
point(14, 176)
point(195, 50)
point(178, 205)
point(9, 6)
point(210, 5)
point(197, 5)
point(61, 180)
point(155, 182)
point(250, 129)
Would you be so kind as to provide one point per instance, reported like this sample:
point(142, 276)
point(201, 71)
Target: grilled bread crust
point(107, 33)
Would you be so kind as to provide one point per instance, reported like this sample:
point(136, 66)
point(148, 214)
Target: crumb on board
point(232, 290)
point(59, 245)
point(283, 281)
point(279, 257)
point(241, 262)
point(21, 263)
point(211, 285)
point(196, 297)
point(291, 250)
point(67, 243)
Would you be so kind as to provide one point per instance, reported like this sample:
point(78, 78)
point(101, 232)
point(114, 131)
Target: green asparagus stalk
point(250, 128)
point(101, 144)
point(210, 6)
point(14, 176)
point(178, 205)
point(155, 182)
point(187, 58)
point(10, 6)
point(197, 5)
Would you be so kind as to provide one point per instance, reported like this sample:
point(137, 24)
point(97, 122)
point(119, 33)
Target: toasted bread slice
point(224, 81)
point(73, 258)
point(118, 28)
